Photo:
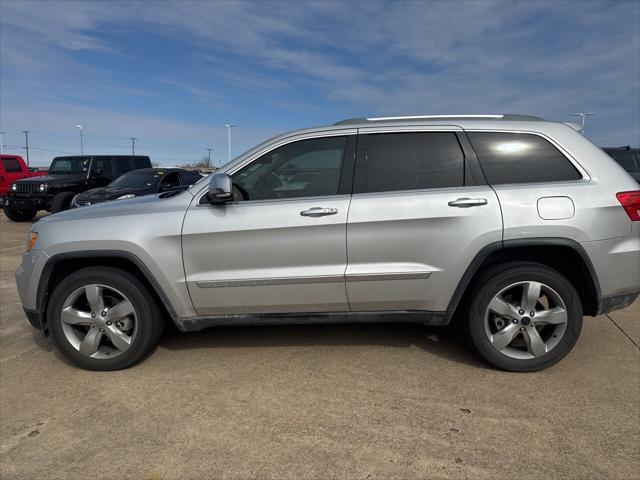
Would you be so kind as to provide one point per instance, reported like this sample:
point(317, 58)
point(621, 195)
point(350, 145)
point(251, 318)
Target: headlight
point(42, 187)
point(128, 195)
point(14, 187)
point(73, 201)
point(31, 241)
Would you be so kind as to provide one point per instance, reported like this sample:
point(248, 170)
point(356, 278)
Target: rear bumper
point(618, 301)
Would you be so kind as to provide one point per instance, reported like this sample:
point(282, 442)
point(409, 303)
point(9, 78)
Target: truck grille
point(27, 187)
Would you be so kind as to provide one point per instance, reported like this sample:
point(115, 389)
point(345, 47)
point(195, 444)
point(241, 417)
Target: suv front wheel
point(523, 317)
point(103, 318)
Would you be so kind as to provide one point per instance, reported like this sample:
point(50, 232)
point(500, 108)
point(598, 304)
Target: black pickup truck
point(67, 177)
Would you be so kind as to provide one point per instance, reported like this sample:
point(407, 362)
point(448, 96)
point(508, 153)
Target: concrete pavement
point(344, 402)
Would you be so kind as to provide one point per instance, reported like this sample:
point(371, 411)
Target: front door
point(419, 214)
point(281, 246)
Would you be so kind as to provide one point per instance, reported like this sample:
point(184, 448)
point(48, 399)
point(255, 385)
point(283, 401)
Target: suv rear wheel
point(103, 318)
point(523, 317)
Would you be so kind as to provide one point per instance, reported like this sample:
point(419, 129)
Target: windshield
point(138, 179)
point(69, 165)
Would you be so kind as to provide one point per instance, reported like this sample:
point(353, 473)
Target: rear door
point(420, 213)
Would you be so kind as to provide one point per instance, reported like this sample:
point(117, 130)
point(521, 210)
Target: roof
point(411, 118)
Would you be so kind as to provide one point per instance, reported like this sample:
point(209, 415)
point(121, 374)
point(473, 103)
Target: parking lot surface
point(346, 401)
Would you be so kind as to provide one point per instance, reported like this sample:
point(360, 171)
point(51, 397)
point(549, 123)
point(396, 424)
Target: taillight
point(630, 201)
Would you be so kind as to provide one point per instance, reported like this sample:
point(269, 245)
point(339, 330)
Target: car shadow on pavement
point(446, 342)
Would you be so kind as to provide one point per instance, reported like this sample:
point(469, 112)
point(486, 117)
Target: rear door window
point(103, 165)
point(520, 158)
point(412, 161)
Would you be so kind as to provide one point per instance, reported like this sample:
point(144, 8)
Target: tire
point(62, 201)
point(144, 325)
point(19, 215)
point(501, 289)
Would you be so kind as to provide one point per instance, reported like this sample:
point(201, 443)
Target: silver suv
point(512, 225)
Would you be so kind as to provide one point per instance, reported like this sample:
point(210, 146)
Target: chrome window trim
point(585, 175)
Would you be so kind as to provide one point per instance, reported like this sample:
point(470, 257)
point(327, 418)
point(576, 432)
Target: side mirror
point(220, 188)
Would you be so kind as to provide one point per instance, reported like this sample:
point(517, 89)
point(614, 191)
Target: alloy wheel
point(525, 320)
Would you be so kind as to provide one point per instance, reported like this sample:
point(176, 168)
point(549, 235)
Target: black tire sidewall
point(148, 317)
point(490, 284)
point(19, 214)
point(61, 202)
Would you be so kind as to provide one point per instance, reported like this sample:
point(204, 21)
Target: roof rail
point(351, 121)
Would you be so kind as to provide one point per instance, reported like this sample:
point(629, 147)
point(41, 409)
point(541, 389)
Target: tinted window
point(520, 158)
point(104, 165)
point(11, 165)
point(69, 165)
point(410, 161)
point(138, 178)
point(628, 159)
point(170, 180)
point(141, 162)
point(307, 168)
point(123, 165)
point(189, 178)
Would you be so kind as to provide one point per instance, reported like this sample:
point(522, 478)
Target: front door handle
point(468, 202)
point(318, 212)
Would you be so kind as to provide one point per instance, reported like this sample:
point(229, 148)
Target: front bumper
point(30, 202)
point(27, 281)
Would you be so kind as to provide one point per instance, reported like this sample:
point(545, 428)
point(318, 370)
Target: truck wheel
point(523, 317)
point(61, 201)
point(103, 318)
point(19, 215)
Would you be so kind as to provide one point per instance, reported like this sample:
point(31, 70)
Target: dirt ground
point(315, 402)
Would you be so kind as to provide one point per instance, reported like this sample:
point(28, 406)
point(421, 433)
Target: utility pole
point(79, 127)
point(26, 144)
point(208, 156)
point(2, 132)
point(583, 116)
point(133, 146)
point(229, 127)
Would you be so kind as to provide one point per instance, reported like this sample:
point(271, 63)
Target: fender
point(47, 271)
point(505, 245)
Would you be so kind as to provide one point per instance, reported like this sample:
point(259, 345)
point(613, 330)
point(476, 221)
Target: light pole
point(133, 146)
point(26, 144)
point(2, 132)
point(79, 127)
point(583, 116)
point(229, 127)
point(208, 156)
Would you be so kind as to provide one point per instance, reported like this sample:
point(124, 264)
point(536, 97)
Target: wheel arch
point(564, 255)
point(60, 265)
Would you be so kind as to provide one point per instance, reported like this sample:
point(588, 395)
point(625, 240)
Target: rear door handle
point(468, 202)
point(318, 212)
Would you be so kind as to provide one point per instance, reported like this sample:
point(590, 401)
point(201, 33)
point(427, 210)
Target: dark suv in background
point(628, 158)
point(67, 177)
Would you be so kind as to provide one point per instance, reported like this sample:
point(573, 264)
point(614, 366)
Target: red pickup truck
point(13, 168)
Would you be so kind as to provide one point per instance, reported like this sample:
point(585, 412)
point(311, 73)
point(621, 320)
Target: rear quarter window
point(520, 158)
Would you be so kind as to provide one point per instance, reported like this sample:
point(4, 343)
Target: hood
point(54, 179)
point(112, 193)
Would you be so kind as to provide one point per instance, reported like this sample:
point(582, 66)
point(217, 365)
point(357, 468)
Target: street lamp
point(583, 116)
point(229, 127)
point(79, 127)
point(2, 132)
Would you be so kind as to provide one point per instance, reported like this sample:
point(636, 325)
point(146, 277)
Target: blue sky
point(171, 74)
